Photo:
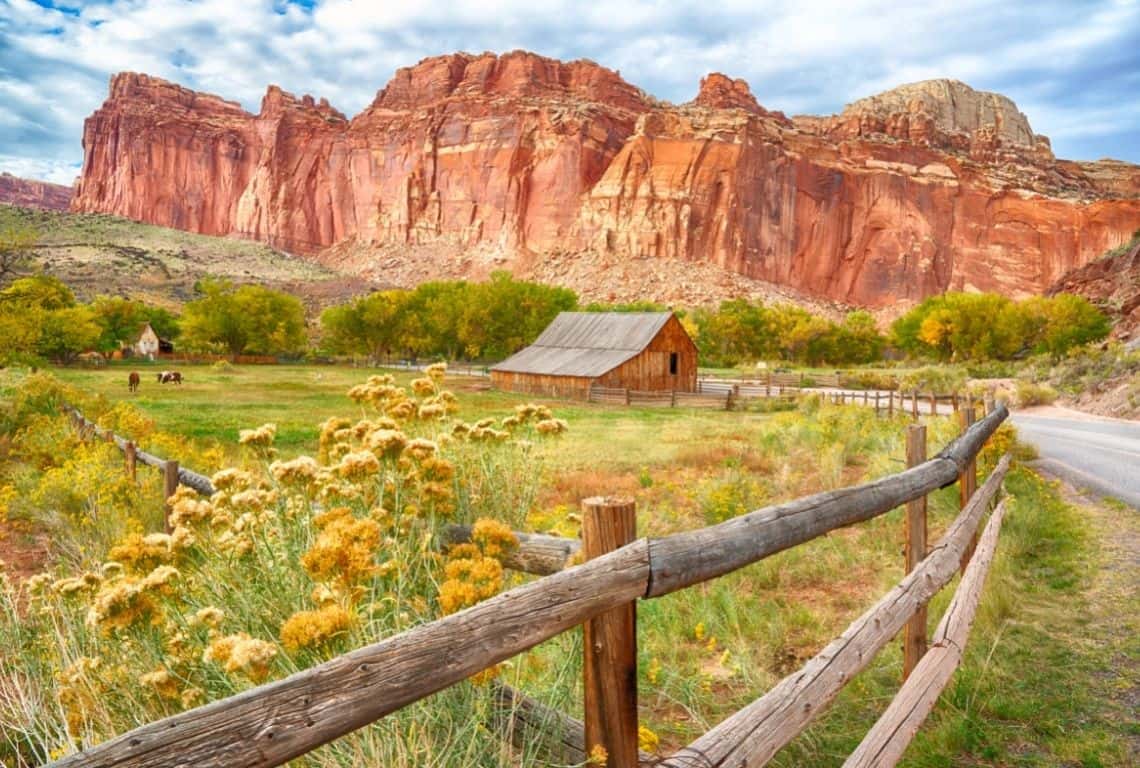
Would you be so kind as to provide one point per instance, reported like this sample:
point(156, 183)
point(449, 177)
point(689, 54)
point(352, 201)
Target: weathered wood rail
point(87, 428)
point(282, 720)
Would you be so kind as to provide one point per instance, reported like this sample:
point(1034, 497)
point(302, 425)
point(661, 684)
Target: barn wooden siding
point(570, 387)
point(649, 370)
point(646, 370)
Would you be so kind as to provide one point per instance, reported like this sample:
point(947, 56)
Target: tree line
point(40, 318)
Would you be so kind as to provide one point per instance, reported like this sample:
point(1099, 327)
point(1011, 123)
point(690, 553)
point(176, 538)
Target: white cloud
point(799, 57)
point(44, 170)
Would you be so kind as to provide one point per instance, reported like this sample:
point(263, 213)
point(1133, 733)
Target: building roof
point(587, 343)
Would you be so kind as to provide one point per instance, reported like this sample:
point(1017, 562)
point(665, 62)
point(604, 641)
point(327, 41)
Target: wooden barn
point(644, 351)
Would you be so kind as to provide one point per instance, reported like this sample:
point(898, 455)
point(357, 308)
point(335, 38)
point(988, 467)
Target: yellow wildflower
point(231, 479)
point(468, 581)
point(436, 371)
point(551, 426)
point(358, 466)
point(598, 755)
point(70, 587)
point(299, 472)
point(241, 653)
point(262, 437)
point(187, 507)
point(432, 411)
point(386, 443)
point(421, 448)
point(653, 673)
point(647, 740)
point(313, 629)
point(344, 548)
point(322, 595)
point(209, 616)
point(699, 632)
point(120, 605)
point(160, 578)
point(163, 683)
point(192, 696)
point(138, 553)
point(423, 387)
point(182, 538)
point(494, 538)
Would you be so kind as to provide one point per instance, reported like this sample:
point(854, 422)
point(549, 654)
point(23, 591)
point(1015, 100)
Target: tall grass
point(703, 652)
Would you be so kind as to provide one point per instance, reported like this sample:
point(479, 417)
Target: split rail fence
point(718, 393)
point(276, 722)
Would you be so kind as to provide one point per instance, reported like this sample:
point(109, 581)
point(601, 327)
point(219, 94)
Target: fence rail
point(285, 719)
point(187, 477)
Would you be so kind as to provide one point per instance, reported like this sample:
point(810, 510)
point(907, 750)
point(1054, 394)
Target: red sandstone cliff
point(28, 193)
point(928, 187)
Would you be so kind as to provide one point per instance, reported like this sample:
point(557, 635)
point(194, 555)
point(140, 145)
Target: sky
point(1072, 66)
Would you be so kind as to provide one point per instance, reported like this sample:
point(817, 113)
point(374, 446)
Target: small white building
point(147, 344)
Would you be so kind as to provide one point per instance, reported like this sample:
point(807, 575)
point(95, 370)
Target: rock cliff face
point(1112, 282)
point(929, 187)
point(28, 193)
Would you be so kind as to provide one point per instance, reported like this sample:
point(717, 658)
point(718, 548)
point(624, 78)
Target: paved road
point(1101, 455)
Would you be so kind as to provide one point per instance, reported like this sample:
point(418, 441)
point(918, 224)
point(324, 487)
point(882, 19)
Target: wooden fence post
point(891, 403)
point(967, 483)
point(933, 404)
point(954, 400)
point(914, 405)
point(876, 402)
point(768, 384)
point(170, 486)
point(130, 455)
point(989, 404)
point(610, 642)
point(914, 636)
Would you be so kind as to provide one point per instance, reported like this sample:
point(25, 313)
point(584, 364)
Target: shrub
point(1029, 394)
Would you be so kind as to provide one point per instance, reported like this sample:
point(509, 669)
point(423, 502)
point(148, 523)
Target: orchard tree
point(244, 320)
point(39, 317)
point(121, 319)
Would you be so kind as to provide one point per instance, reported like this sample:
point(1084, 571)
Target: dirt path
point(22, 553)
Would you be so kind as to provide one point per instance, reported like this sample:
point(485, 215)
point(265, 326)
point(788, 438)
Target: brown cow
point(133, 381)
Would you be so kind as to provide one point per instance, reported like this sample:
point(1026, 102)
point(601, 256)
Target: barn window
point(673, 363)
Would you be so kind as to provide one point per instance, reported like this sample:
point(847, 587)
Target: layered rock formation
point(28, 193)
point(926, 188)
point(1112, 282)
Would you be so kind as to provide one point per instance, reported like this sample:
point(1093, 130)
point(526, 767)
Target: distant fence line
point(173, 474)
point(281, 720)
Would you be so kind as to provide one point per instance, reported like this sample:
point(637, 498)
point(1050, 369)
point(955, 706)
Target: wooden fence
point(278, 721)
point(173, 474)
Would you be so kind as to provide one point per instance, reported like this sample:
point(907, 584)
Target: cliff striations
point(521, 161)
point(28, 193)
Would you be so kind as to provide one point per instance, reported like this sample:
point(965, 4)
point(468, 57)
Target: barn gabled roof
point(587, 343)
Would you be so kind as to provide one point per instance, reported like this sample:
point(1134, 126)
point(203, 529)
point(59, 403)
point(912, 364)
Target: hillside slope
point(1112, 282)
point(100, 254)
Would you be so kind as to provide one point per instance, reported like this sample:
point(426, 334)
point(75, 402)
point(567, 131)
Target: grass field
point(1040, 685)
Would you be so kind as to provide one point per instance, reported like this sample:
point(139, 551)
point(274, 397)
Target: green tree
point(245, 320)
point(367, 326)
point(121, 320)
point(858, 339)
point(39, 316)
point(1066, 321)
point(16, 246)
